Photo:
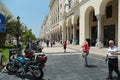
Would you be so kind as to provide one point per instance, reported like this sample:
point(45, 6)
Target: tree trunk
point(2, 39)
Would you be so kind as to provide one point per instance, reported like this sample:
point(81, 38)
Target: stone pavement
point(93, 50)
point(73, 48)
point(57, 49)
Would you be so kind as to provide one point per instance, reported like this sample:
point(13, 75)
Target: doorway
point(109, 34)
point(93, 35)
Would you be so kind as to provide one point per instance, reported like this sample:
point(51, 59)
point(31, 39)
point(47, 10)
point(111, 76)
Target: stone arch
point(103, 6)
point(76, 28)
point(75, 18)
point(87, 21)
point(110, 22)
point(64, 32)
point(70, 30)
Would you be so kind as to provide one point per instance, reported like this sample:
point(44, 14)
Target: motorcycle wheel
point(38, 73)
point(12, 67)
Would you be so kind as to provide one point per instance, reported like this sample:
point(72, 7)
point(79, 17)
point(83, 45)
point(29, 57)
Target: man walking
point(112, 59)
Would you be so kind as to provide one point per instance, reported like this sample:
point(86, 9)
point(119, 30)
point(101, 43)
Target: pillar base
point(74, 42)
point(68, 42)
point(99, 44)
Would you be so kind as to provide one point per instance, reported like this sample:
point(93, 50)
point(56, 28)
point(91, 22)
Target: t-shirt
point(86, 47)
point(14, 42)
point(112, 49)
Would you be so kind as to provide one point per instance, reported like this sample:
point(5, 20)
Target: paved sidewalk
point(93, 50)
point(57, 48)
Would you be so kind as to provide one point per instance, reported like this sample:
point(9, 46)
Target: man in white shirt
point(15, 43)
point(112, 57)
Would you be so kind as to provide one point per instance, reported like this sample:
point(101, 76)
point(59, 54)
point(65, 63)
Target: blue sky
point(31, 12)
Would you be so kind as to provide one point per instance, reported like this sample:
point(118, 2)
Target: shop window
point(109, 11)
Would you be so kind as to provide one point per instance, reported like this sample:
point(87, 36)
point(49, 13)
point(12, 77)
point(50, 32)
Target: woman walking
point(86, 48)
point(64, 46)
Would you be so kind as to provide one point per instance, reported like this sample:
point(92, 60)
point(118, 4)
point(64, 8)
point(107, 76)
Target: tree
point(13, 27)
point(28, 36)
point(4, 34)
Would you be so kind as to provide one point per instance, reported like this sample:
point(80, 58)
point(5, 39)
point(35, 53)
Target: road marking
point(55, 54)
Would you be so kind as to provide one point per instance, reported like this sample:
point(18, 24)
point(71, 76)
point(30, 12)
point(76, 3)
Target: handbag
point(84, 54)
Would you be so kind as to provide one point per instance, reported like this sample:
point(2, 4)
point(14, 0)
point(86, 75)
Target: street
point(68, 66)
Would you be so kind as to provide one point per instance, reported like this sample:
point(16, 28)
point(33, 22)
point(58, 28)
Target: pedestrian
point(112, 59)
point(19, 47)
point(47, 43)
point(64, 46)
point(28, 45)
point(85, 47)
point(15, 43)
point(51, 43)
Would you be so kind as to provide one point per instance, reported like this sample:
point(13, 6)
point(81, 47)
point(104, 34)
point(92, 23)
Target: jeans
point(85, 57)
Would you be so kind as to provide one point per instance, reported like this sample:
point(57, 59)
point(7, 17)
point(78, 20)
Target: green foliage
point(15, 28)
point(29, 35)
point(5, 52)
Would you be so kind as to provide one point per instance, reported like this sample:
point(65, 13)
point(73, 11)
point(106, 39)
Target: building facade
point(96, 20)
point(4, 10)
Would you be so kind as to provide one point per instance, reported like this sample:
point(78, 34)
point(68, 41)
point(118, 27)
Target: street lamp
point(18, 19)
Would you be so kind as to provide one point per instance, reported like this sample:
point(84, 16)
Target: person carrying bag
point(85, 47)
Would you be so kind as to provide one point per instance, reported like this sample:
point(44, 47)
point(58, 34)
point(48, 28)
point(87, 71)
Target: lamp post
point(18, 27)
point(25, 30)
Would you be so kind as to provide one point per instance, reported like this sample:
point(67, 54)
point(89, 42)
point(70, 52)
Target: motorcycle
point(29, 54)
point(35, 66)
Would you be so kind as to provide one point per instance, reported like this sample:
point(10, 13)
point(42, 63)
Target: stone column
point(74, 34)
point(63, 33)
point(119, 23)
point(68, 35)
point(99, 32)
